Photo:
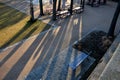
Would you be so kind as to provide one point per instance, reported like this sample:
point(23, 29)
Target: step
point(105, 59)
point(112, 70)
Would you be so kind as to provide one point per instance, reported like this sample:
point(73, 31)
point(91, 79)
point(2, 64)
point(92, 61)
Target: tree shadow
point(19, 66)
point(49, 58)
point(17, 35)
point(76, 26)
point(15, 70)
point(13, 51)
point(49, 52)
point(26, 56)
point(24, 30)
point(9, 16)
point(48, 46)
point(59, 43)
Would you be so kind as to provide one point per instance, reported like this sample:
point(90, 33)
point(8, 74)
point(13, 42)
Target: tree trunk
point(41, 7)
point(51, 1)
point(63, 4)
point(31, 11)
point(114, 21)
point(54, 9)
point(82, 3)
point(59, 5)
point(71, 7)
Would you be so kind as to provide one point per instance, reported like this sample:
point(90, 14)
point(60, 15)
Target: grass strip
point(15, 26)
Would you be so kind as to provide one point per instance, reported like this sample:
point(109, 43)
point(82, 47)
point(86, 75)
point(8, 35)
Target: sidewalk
point(18, 61)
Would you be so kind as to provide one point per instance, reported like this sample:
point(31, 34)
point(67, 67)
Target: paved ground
point(18, 61)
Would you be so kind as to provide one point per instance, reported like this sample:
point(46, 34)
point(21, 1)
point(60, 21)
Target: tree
point(82, 3)
point(54, 9)
point(59, 5)
point(51, 1)
point(114, 21)
point(31, 11)
point(71, 7)
point(41, 7)
point(63, 4)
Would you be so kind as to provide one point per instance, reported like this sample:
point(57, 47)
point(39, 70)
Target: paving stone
point(58, 69)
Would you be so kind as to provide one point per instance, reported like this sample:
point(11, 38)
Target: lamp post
point(114, 21)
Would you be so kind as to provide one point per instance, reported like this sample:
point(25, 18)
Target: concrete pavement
point(18, 61)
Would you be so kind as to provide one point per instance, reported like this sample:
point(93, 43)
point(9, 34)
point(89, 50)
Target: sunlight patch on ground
point(15, 26)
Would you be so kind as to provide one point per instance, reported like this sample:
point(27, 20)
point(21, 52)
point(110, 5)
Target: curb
point(105, 59)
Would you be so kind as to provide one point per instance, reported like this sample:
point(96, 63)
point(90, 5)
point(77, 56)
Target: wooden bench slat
point(63, 12)
point(77, 8)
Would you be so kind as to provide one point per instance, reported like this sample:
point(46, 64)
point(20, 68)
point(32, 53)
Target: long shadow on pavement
point(46, 68)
